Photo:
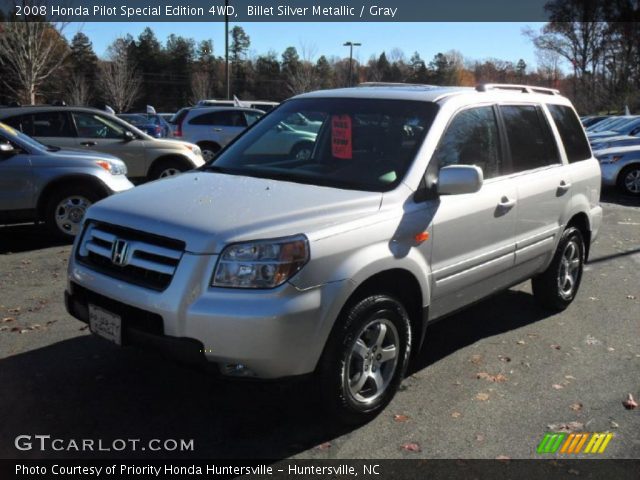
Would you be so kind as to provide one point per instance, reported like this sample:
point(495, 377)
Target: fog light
point(236, 370)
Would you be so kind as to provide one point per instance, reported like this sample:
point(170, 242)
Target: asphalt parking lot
point(489, 382)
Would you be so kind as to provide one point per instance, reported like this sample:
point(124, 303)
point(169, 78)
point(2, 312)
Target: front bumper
point(271, 333)
point(116, 183)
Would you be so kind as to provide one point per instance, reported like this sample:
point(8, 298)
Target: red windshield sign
point(341, 144)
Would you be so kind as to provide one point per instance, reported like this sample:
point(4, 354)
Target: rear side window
point(472, 139)
point(531, 142)
point(571, 132)
point(51, 124)
point(225, 118)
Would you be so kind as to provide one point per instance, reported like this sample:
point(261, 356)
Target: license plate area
point(106, 324)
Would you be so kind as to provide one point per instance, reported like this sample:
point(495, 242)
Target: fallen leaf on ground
point(614, 424)
point(8, 319)
point(479, 437)
point(520, 342)
point(482, 397)
point(590, 340)
point(630, 403)
point(499, 378)
point(503, 358)
point(631, 297)
point(14, 310)
point(84, 327)
point(324, 446)
point(593, 298)
point(569, 377)
point(573, 471)
point(611, 349)
point(557, 386)
point(504, 458)
point(411, 447)
point(476, 359)
point(566, 427)
point(400, 418)
point(576, 407)
point(456, 414)
point(15, 329)
point(556, 347)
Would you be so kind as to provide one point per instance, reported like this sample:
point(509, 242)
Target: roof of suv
point(432, 93)
point(11, 111)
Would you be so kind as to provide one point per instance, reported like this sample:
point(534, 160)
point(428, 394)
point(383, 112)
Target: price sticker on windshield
point(341, 141)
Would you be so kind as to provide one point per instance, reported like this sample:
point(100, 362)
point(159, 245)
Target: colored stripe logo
point(574, 443)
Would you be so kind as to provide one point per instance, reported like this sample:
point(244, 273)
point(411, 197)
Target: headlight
point(261, 264)
point(194, 149)
point(114, 167)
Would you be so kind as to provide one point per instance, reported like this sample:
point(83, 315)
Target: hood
point(169, 143)
point(83, 154)
point(210, 210)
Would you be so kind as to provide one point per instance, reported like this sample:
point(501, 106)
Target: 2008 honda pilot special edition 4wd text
point(414, 202)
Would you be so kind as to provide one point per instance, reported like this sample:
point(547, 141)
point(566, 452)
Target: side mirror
point(6, 149)
point(128, 136)
point(459, 179)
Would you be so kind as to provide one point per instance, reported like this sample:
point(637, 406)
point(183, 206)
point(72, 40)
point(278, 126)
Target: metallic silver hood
point(209, 210)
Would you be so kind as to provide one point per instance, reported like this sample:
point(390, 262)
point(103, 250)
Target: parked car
point(212, 128)
point(152, 124)
point(47, 184)
point(617, 141)
point(415, 202)
point(621, 168)
point(264, 105)
point(89, 129)
point(607, 123)
point(592, 120)
point(628, 126)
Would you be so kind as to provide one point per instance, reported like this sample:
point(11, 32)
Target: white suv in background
point(212, 128)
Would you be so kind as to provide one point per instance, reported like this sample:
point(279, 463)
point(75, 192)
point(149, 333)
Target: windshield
point(136, 120)
point(360, 144)
point(12, 135)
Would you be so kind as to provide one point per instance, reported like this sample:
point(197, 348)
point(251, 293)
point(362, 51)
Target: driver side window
point(472, 139)
point(90, 125)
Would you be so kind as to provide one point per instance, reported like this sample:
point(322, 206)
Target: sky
point(476, 41)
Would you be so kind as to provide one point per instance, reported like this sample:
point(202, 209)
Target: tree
point(31, 52)
point(521, 68)
point(240, 43)
point(78, 91)
point(119, 77)
point(82, 69)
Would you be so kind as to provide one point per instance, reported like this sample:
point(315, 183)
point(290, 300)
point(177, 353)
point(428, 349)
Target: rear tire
point(302, 151)
point(209, 150)
point(65, 209)
point(167, 168)
point(365, 359)
point(629, 180)
point(558, 285)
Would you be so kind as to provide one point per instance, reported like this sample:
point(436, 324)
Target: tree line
point(599, 42)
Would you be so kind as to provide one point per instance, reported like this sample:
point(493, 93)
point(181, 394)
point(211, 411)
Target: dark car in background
point(152, 124)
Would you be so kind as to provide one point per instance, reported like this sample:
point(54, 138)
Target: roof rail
point(394, 84)
point(483, 87)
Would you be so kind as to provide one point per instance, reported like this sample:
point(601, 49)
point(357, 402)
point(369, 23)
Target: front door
point(473, 245)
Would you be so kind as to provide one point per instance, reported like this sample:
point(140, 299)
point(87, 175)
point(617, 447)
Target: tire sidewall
point(52, 203)
point(571, 233)
point(334, 362)
point(621, 179)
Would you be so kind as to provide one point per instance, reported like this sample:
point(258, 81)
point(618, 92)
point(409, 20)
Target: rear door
point(219, 126)
point(542, 180)
point(472, 250)
point(103, 134)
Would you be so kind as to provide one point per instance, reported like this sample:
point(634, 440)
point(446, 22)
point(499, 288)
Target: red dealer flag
point(341, 142)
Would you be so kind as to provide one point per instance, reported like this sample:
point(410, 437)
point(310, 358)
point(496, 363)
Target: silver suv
point(147, 158)
point(415, 202)
point(40, 183)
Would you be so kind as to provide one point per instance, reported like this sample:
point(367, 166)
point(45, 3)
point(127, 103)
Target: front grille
point(148, 260)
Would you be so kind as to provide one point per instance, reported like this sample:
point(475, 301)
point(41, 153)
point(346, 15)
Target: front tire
point(365, 358)
point(558, 285)
point(65, 209)
point(166, 169)
point(629, 180)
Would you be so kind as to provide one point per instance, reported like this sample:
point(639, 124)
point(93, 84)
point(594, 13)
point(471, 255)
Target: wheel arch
point(581, 221)
point(170, 157)
point(68, 181)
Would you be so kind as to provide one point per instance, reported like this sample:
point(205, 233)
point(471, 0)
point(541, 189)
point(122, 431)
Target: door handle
point(88, 144)
point(564, 186)
point(505, 202)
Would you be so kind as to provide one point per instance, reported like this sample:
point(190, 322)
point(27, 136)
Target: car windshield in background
point(137, 120)
point(360, 144)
